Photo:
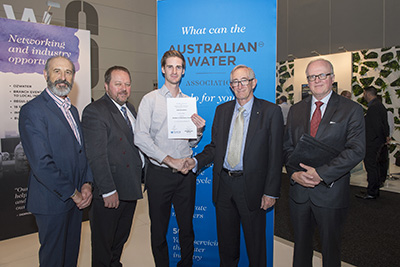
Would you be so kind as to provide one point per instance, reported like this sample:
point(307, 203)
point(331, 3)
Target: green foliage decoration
point(363, 70)
point(356, 57)
point(394, 65)
point(387, 98)
point(387, 57)
point(371, 64)
point(367, 81)
point(381, 83)
point(289, 89)
point(371, 55)
point(385, 73)
point(282, 69)
point(286, 75)
point(396, 83)
point(357, 90)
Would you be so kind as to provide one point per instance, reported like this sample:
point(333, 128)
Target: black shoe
point(365, 196)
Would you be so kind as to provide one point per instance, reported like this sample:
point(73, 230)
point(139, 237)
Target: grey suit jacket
point(113, 157)
point(342, 127)
point(262, 158)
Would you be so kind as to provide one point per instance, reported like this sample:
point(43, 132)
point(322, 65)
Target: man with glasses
point(319, 195)
point(246, 149)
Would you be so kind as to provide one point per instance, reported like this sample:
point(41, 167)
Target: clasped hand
point(308, 178)
point(83, 198)
point(182, 165)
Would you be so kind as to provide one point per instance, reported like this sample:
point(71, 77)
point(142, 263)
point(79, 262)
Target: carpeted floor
point(371, 235)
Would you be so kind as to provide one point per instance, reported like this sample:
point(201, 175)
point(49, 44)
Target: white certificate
point(180, 125)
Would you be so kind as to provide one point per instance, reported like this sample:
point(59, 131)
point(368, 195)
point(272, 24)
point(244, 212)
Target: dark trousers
point(305, 218)
point(373, 170)
point(110, 230)
point(383, 163)
point(59, 237)
point(231, 211)
point(164, 188)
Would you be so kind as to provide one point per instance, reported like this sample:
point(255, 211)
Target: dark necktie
point(316, 119)
point(123, 109)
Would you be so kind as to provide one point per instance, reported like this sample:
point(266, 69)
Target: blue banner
point(215, 36)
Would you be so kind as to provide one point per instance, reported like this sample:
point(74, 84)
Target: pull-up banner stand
point(215, 36)
point(24, 49)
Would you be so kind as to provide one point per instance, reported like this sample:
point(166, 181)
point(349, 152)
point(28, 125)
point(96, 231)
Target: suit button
point(124, 152)
point(120, 139)
point(127, 165)
point(80, 151)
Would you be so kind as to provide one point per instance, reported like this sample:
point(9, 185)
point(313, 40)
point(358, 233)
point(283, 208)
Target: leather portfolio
point(311, 152)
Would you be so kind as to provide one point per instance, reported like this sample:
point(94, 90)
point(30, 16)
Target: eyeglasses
point(321, 76)
point(244, 82)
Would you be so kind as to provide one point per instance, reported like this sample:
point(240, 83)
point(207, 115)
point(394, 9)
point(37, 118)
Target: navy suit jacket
point(342, 127)
point(113, 157)
point(262, 157)
point(58, 162)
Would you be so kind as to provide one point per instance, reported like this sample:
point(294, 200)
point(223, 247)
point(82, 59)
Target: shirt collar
point(59, 101)
point(248, 106)
point(324, 100)
point(166, 93)
point(116, 104)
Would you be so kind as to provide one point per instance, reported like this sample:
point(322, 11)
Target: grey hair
point(46, 67)
point(251, 71)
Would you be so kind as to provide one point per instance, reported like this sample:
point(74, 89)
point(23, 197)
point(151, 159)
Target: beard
point(60, 90)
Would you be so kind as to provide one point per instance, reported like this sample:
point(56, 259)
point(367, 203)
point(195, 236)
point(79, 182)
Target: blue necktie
point(123, 109)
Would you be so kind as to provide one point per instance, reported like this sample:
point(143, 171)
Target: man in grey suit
point(116, 162)
point(319, 195)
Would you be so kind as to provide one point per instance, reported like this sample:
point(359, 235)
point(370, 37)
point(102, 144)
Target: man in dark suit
point(108, 125)
point(377, 135)
point(319, 195)
point(59, 181)
point(247, 170)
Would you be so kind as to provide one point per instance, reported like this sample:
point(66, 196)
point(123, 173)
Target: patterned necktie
point(316, 119)
point(123, 109)
point(235, 145)
point(66, 105)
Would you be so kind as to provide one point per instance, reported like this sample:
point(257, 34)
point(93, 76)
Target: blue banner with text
point(215, 36)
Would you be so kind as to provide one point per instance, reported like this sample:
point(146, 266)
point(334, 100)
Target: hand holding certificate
point(180, 125)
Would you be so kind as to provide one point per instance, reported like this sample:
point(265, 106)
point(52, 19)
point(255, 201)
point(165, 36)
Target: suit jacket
point(342, 127)
point(114, 159)
point(58, 162)
point(376, 124)
point(262, 157)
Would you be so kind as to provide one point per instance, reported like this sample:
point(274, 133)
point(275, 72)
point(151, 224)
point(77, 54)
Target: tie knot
point(123, 109)
point(66, 104)
point(319, 104)
point(241, 110)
